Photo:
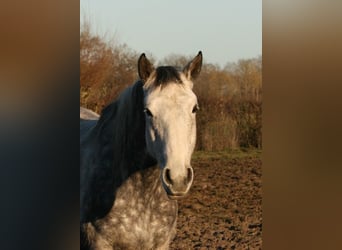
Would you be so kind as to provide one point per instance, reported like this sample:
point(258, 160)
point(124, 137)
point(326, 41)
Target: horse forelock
point(164, 75)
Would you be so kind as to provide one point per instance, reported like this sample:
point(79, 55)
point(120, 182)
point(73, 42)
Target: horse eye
point(195, 108)
point(148, 112)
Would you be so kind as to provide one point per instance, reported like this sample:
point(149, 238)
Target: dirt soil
point(223, 208)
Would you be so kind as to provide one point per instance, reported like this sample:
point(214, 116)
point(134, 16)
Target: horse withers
point(135, 160)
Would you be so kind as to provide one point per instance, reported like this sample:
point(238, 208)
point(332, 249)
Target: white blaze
point(171, 131)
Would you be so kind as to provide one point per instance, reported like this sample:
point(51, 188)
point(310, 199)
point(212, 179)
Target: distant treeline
point(230, 99)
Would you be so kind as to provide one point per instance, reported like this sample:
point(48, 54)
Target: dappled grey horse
point(135, 160)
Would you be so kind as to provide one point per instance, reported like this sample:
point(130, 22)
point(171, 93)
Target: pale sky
point(225, 30)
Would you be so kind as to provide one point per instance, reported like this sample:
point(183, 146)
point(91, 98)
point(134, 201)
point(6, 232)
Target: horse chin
point(177, 196)
point(173, 194)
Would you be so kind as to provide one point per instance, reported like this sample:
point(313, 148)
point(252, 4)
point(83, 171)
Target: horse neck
point(121, 131)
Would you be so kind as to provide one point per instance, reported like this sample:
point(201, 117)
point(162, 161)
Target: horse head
point(170, 108)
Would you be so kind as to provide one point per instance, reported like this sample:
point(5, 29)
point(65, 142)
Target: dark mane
point(166, 74)
point(120, 131)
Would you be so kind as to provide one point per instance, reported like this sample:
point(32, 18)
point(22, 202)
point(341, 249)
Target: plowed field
point(223, 208)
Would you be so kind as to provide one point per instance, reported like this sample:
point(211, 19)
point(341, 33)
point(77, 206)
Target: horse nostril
point(167, 176)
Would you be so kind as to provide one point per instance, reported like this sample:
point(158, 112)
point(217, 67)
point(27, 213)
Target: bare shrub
point(219, 134)
point(106, 69)
point(231, 106)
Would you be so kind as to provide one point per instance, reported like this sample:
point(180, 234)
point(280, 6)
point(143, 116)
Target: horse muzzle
point(179, 186)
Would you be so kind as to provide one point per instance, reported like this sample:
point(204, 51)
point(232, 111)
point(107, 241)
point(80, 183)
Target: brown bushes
point(230, 99)
point(105, 70)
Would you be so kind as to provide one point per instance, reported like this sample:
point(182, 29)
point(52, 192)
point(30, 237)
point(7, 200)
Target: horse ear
point(193, 68)
point(145, 68)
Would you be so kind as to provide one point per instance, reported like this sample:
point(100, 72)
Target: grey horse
point(135, 160)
